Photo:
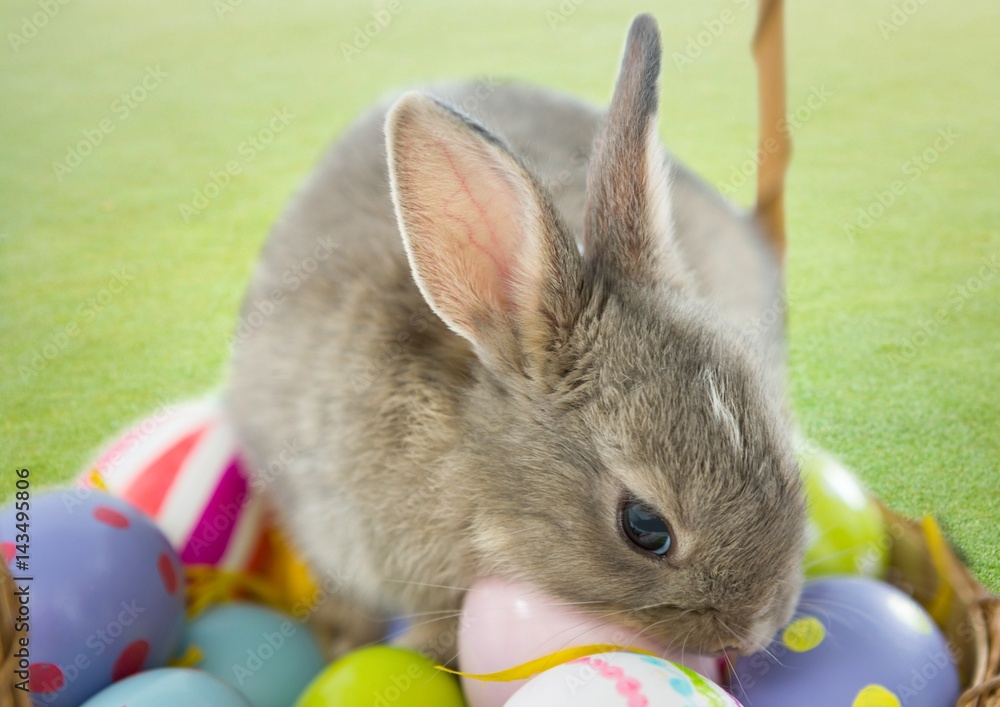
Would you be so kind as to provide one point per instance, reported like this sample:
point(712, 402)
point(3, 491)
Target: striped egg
point(182, 467)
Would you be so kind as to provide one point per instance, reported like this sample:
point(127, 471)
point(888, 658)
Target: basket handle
point(774, 143)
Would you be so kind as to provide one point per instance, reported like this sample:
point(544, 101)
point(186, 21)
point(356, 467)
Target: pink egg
point(505, 624)
point(182, 467)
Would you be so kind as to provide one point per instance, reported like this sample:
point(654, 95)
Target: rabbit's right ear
point(629, 225)
point(485, 245)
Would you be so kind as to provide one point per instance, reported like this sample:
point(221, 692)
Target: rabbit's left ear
point(629, 228)
point(485, 245)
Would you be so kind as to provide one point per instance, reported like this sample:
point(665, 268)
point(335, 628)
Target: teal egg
point(265, 654)
point(169, 687)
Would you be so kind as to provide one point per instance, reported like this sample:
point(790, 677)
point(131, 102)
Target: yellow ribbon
point(188, 659)
point(208, 585)
point(286, 582)
point(288, 573)
point(940, 605)
point(95, 480)
point(540, 665)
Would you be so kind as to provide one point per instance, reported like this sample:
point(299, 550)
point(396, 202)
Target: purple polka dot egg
point(99, 588)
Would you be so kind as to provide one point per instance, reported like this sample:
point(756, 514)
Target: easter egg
point(853, 641)
point(620, 680)
point(845, 528)
point(382, 676)
point(182, 467)
point(105, 588)
point(266, 655)
point(169, 687)
point(506, 624)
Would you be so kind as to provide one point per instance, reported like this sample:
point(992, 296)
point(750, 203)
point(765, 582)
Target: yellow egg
point(382, 675)
point(846, 530)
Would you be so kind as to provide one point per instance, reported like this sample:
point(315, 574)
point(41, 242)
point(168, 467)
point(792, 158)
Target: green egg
point(379, 676)
point(846, 530)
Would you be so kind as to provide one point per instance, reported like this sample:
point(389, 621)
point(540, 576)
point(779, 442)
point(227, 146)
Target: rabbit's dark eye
point(644, 528)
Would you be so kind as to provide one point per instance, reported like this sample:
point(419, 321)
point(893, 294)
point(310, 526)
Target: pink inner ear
point(481, 229)
point(462, 202)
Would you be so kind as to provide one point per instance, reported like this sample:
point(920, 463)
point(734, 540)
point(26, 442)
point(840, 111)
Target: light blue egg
point(265, 654)
point(169, 687)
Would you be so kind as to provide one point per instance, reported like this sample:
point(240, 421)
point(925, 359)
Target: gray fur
point(431, 457)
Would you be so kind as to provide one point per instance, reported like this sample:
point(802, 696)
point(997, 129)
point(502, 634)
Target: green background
point(915, 414)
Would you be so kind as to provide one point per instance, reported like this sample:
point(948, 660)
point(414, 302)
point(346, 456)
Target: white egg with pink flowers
point(621, 680)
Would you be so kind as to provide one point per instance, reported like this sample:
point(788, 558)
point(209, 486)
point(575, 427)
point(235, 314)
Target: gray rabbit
point(529, 344)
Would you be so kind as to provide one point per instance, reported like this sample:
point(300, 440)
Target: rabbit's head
point(627, 455)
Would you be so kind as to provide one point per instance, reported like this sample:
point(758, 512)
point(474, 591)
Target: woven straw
point(9, 695)
point(774, 146)
point(924, 566)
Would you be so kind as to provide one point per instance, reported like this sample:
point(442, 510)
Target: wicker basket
point(10, 696)
point(924, 565)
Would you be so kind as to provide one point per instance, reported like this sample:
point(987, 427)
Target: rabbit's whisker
point(427, 584)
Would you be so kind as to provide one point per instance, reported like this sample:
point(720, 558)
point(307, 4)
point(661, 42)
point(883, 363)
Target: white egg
point(620, 680)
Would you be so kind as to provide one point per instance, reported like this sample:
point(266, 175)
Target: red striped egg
point(181, 465)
